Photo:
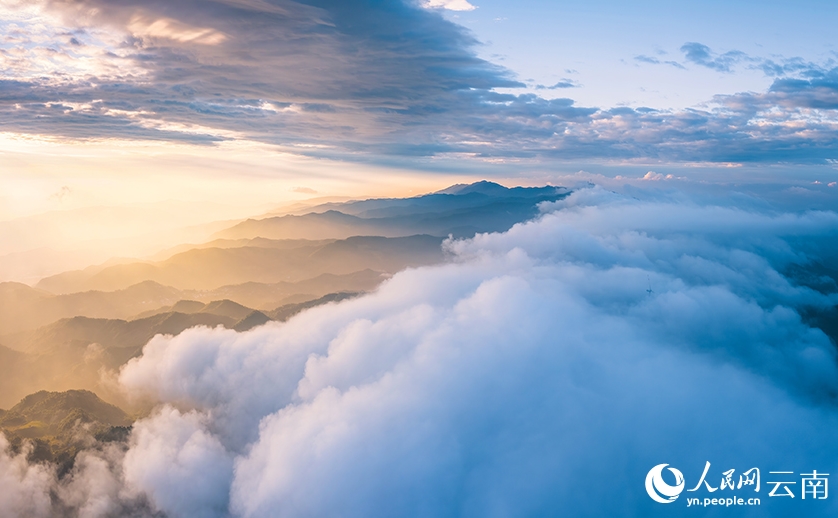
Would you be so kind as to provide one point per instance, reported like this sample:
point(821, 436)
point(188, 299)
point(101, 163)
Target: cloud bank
point(543, 371)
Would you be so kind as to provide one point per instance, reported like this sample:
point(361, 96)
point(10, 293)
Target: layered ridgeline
point(459, 211)
point(74, 330)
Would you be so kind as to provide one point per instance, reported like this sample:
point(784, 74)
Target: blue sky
point(607, 46)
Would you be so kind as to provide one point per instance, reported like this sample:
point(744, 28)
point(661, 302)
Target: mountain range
point(458, 211)
point(74, 330)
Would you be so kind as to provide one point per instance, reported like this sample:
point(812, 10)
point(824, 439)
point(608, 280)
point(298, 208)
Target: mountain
point(55, 411)
point(72, 331)
point(211, 268)
point(331, 224)
point(455, 197)
point(254, 319)
point(286, 311)
point(260, 242)
point(460, 210)
point(77, 352)
point(494, 189)
point(266, 297)
point(11, 363)
point(23, 308)
point(16, 303)
point(223, 308)
point(81, 352)
point(62, 423)
point(126, 337)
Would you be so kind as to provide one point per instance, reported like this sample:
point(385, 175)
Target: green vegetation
point(60, 424)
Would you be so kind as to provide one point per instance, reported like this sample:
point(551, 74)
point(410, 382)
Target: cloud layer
point(360, 79)
point(543, 371)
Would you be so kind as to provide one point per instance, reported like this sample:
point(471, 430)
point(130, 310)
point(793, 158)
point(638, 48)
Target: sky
point(606, 54)
point(235, 107)
point(654, 315)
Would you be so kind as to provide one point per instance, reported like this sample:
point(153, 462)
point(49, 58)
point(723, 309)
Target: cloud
point(168, 28)
point(365, 82)
point(818, 90)
point(564, 83)
point(25, 486)
point(453, 5)
point(702, 55)
point(179, 464)
point(656, 177)
point(358, 69)
point(655, 61)
point(496, 383)
point(532, 375)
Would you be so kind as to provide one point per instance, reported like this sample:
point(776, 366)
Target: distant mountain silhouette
point(12, 364)
point(80, 332)
point(223, 308)
point(266, 297)
point(24, 308)
point(211, 268)
point(286, 311)
point(460, 210)
point(254, 319)
point(330, 224)
point(259, 242)
point(72, 352)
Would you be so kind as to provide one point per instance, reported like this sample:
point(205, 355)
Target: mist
point(540, 371)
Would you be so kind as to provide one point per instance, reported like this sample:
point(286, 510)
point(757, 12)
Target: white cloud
point(25, 486)
point(179, 464)
point(174, 30)
point(451, 5)
point(94, 485)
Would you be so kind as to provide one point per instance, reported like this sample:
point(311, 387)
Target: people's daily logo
point(659, 490)
point(734, 488)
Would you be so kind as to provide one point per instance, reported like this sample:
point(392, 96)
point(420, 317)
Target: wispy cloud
point(655, 61)
point(563, 83)
point(452, 5)
point(702, 55)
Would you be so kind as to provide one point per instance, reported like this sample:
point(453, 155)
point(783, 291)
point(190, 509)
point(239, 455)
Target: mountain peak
point(482, 187)
point(52, 407)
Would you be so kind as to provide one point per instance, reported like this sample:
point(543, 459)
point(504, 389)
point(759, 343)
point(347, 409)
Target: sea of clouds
point(540, 372)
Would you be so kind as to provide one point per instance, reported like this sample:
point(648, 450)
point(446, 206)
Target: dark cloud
point(818, 91)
